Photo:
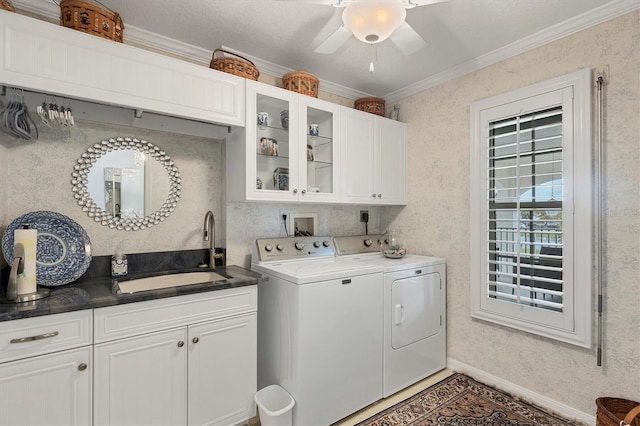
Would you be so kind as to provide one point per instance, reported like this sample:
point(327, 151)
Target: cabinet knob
point(295, 191)
point(373, 195)
point(82, 367)
point(180, 344)
point(379, 195)
point(196, 340)
point(304, 191)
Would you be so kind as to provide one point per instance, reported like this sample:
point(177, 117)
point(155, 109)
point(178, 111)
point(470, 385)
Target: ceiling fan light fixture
point(373, 21)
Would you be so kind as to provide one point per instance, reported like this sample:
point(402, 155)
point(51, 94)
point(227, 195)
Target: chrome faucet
point(210, 235)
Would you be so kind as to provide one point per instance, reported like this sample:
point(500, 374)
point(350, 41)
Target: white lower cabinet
point(53, 389)
point(46, 369)
point(184, 360)
point(222, 371)
point(196, 375)
point(142, 380)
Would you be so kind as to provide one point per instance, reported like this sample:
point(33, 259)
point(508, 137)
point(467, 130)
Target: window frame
point(574, 324)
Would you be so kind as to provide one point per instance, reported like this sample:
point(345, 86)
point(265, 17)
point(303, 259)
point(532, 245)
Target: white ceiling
point(280, 35)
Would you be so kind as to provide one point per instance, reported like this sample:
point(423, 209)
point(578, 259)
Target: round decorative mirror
point(127, 184)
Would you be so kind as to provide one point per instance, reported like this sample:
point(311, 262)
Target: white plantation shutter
point(531, 220)
point(525, 185)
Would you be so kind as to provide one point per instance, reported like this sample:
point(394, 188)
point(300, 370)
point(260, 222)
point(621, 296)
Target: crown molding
point(146, 39)
point(571, 26)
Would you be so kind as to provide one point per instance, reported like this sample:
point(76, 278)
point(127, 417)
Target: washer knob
point(299, 245)
point(368, 242)
point(268, 247)
point(316, 244)
point(280, 247)
point(326, 243)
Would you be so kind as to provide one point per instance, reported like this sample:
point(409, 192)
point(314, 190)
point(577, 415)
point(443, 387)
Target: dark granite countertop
point(96, 289)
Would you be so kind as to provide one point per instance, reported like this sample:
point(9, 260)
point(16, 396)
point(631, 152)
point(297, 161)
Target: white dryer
point(414, 305)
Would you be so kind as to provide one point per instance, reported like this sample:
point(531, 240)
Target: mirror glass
point(126, 183)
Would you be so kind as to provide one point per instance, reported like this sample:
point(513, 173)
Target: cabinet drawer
point(116, 322)
point(40, 335)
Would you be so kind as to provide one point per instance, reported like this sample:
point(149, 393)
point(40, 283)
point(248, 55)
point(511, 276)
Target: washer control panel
point(274, 249)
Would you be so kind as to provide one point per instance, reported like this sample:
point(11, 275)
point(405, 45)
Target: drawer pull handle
point(180, 344)
point(32, 338)
point(82, 367)
point(196, 340)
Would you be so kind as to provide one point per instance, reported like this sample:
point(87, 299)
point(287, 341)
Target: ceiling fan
point(373, 21)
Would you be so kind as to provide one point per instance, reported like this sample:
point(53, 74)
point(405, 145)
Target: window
point(531, 209)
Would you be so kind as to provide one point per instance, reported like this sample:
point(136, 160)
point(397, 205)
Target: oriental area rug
point(461, 401)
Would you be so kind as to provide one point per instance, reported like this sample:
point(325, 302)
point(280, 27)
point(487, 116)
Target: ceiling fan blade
point(413, 3)
point(337, 3)
point(335, 40)
point(407, 39)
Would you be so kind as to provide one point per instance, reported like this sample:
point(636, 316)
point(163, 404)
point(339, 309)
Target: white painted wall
point(438, 215)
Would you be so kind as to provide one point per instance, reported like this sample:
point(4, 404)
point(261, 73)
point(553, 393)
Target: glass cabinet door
point(319, 131)
point(272, 134)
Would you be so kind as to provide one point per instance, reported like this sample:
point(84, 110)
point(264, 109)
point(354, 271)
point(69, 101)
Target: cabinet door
point(222, 370)
point(320, 141)
point(47, 390)
point(142, 380)
point(46, 57)
point(392, 159)
point(272, 144)
point(358, 157)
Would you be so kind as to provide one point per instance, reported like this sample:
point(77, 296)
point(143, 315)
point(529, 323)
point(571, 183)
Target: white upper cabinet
point(288, 150)
point(45, 57)
point(373, 159)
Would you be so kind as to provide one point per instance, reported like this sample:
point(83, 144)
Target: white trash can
point(275, 406)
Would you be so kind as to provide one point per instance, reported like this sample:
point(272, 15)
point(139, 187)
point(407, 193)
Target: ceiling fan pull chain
point(374, 58)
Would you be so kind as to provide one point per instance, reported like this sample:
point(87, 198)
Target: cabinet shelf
point(319, 164)
point(265, 129)
point(272, 158)
point(319, 140)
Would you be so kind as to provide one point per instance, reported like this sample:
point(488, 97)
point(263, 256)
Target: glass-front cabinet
point(319, 130)
point(290, 148)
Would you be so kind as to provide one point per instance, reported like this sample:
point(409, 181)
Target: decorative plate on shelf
point(63, 249)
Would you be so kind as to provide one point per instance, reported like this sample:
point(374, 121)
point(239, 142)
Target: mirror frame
point(80, 181)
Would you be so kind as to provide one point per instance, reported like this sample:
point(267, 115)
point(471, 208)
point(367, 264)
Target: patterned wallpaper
point(438, 213)
point(39, 178)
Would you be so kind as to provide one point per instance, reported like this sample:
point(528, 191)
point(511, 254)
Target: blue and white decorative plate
point(64, 249)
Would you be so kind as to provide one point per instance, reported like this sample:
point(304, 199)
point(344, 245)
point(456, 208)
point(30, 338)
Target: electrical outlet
point(364, 215)
point(283, 214)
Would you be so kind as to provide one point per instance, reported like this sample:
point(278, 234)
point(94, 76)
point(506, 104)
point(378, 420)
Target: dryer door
point(415, 309)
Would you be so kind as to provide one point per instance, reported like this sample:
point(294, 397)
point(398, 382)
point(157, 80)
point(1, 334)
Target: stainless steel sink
point(168, 281)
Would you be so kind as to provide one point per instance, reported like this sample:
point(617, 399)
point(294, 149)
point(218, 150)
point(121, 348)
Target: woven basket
point(301, 82)
point(617, 412)
point(92, 19)
point(5, 5)
point(241, 67)
point(372, 105)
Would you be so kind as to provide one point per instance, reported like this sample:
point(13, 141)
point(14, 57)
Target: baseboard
point(523, 393)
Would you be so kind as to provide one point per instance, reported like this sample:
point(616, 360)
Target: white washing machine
point(414, 310)
point(319, 327)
